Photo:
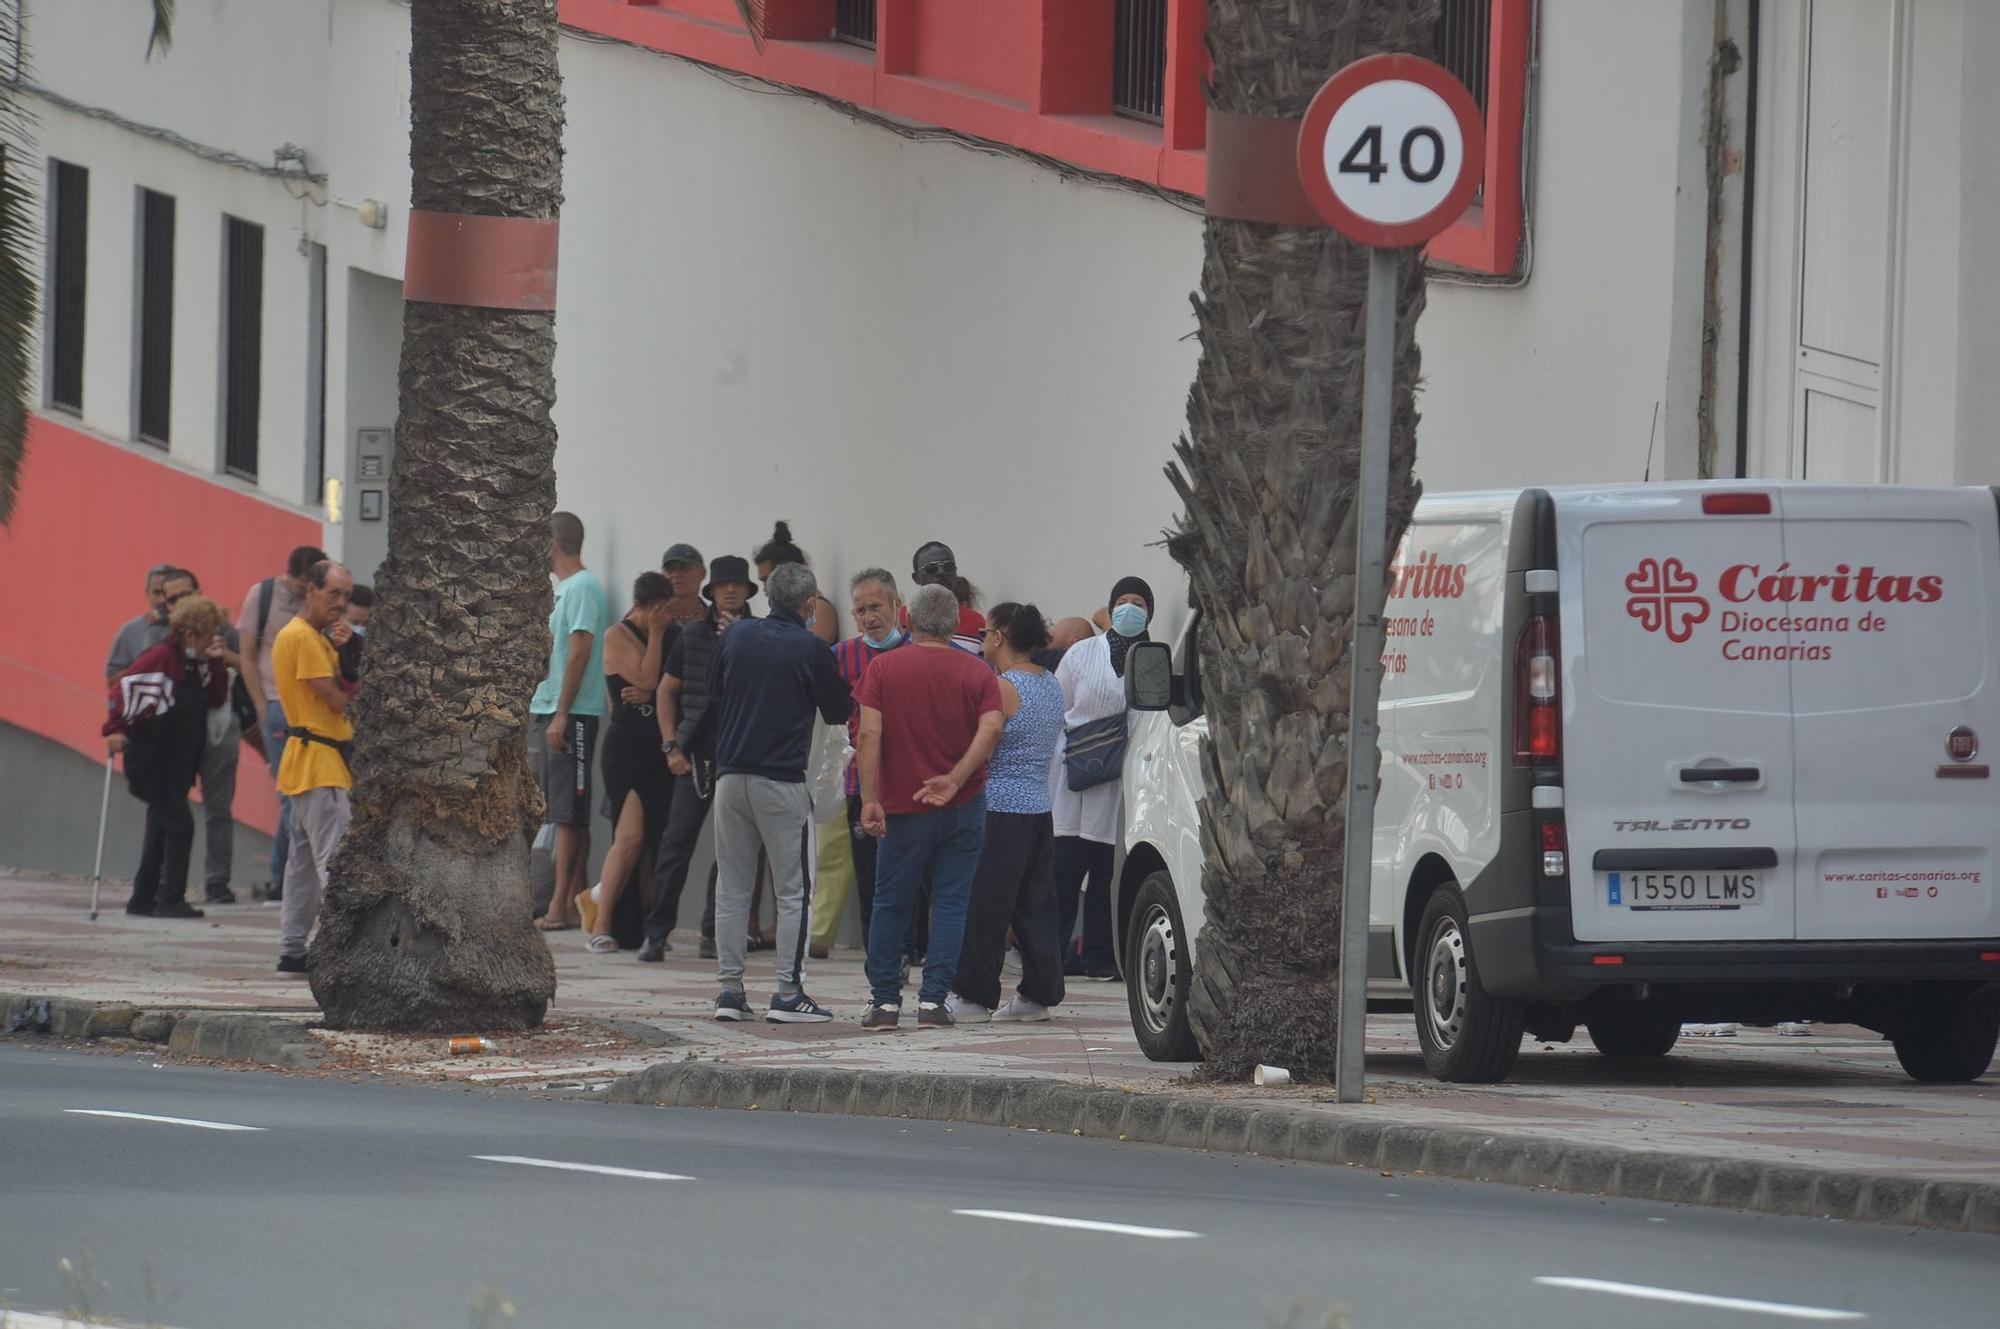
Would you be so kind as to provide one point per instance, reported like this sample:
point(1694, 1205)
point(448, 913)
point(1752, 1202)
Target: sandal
point(603, 944)
point(555, 925)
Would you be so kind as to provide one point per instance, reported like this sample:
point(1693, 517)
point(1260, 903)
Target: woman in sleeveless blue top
point(1015, 884)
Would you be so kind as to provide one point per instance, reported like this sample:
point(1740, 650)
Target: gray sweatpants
point(319, 819)
point(218, 798)
point(752, 811)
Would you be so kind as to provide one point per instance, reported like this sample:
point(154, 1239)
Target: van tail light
point(1736, 505)
point(1537, 694)
point(1555, 848)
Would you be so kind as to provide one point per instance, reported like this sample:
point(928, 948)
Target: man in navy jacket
point(772, 675)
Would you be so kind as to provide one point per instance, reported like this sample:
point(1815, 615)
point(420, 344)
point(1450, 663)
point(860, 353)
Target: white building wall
point(768, 310)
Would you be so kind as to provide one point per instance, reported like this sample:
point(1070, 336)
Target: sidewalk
point(1834, 1100)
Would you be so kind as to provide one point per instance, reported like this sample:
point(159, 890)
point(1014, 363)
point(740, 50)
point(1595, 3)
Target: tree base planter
point(423, 936)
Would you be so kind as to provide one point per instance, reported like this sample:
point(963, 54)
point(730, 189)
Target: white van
point(1650, 755)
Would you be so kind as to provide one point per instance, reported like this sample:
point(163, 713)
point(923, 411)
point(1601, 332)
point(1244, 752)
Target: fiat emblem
point(1962, 744)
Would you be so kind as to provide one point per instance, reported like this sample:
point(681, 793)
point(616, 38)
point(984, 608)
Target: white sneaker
point(1019, 1010)
point(1708, 1031)
point(1011, 962)
point(967, 1012)
point(1795, 1029)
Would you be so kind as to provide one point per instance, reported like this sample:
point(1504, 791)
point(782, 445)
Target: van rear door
point(1677, 754)
point(1894, 634)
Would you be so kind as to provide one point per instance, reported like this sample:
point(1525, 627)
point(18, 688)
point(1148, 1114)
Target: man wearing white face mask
point(1085, 781)
point(846, 852)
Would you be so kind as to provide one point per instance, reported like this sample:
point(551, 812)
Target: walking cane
point(103, 820)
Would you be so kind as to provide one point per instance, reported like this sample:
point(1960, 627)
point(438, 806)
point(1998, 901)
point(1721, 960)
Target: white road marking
point(168, 1121)
point(10, 1319)
point(1080, 1224)
point(1644, 1293)
point(601, 1171)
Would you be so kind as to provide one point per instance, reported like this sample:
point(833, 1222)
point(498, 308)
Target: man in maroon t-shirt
point(930, 717)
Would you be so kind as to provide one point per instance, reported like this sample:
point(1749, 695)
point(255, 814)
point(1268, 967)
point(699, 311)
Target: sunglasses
point(937, 569)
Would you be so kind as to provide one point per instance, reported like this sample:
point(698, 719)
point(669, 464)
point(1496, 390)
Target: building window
point(69, 225)
point(1465, 44)
point(1488, 45)
point(242, 344)
point(854, 21)
point(156, 315)
point(1139, 60)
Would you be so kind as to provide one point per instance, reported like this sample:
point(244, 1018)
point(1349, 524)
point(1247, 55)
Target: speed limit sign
point(1391, 151)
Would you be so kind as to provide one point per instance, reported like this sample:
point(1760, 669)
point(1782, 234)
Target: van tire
point(1949, 1040)
point(1158, 972)
point(1467, 1036)
point(1629, 1037)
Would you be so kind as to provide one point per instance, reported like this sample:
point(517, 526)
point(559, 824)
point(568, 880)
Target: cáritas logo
point(1664, 598)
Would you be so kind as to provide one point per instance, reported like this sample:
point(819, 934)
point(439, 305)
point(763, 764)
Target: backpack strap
point(264, 590)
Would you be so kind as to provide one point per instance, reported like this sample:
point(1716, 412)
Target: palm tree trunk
point(1268, 470)
point(426, 924)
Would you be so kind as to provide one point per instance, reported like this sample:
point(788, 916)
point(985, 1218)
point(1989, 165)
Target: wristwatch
point(670, 747)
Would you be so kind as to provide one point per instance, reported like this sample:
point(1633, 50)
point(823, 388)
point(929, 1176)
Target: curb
point(1323, 1137)
point(270, 1040)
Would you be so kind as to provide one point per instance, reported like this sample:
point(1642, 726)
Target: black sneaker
point(139, 910)
point(708, 948)
point(291, 964)
point(654, 951)
point(219, 895)
point(881, 1015)
point(731, 1005)
point(1073, 966)
point(797, 1009)
point(176, 909)
point(933, 1015)
point(1101, 973)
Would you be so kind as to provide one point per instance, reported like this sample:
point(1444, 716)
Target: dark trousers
point(1015, 885)
point(685, 818)
point(1076, 860)
point(865, 867)
point(163, 861)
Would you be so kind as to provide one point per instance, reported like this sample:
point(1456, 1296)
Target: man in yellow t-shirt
point(313, 773)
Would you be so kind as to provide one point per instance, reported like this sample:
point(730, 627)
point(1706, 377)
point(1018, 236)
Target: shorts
point(565, 776)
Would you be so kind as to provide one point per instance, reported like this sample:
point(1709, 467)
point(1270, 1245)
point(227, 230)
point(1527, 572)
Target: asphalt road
point(265, 1198)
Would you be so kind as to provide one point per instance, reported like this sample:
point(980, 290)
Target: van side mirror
point(1149, 676)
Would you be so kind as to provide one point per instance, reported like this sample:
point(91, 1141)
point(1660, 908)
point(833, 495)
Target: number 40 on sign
point(1391, 149)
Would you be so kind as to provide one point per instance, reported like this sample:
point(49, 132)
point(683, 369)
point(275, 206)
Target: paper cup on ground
point(1271, 1075)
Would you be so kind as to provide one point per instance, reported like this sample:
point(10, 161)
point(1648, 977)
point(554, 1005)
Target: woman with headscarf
point(1086, 777)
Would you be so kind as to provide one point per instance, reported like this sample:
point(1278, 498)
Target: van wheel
point(1631, 1036)
point(1949, 1040)
point(1467, 1036)
point(1158, 971)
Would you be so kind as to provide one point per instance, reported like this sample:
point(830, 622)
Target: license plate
point(1645, 891)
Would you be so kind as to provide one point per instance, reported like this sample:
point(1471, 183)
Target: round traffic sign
point(1391, 150)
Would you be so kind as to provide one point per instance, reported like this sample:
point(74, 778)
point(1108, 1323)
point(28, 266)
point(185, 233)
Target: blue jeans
point(946, 843)
point(274, 752)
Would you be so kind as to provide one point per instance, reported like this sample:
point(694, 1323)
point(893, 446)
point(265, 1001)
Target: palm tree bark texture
point(1268, 471)
point(426, 924)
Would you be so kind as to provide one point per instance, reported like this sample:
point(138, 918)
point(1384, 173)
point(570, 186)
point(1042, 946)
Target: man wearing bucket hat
point(685, 707)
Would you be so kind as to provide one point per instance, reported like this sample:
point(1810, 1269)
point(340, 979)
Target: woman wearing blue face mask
point(1085, 779)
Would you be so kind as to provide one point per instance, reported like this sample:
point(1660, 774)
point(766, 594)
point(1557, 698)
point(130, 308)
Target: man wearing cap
point(685, 708)
point(683, 567)
point(935, 565)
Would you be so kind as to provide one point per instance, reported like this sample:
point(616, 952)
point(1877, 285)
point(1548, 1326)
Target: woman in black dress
point(637, 787)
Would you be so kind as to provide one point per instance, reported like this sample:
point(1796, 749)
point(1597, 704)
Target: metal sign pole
point(1370, 586)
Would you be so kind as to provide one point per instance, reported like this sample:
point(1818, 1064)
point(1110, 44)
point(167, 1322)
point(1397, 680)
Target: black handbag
point(249, 714)
point(1094, 753)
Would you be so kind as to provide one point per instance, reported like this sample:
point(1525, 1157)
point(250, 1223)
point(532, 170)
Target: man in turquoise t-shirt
point(565, 712)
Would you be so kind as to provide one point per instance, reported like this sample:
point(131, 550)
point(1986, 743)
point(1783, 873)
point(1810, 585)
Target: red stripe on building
point(93, 517)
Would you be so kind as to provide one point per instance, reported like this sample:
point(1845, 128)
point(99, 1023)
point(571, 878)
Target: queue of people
point(188, 689)
point(975, 814)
